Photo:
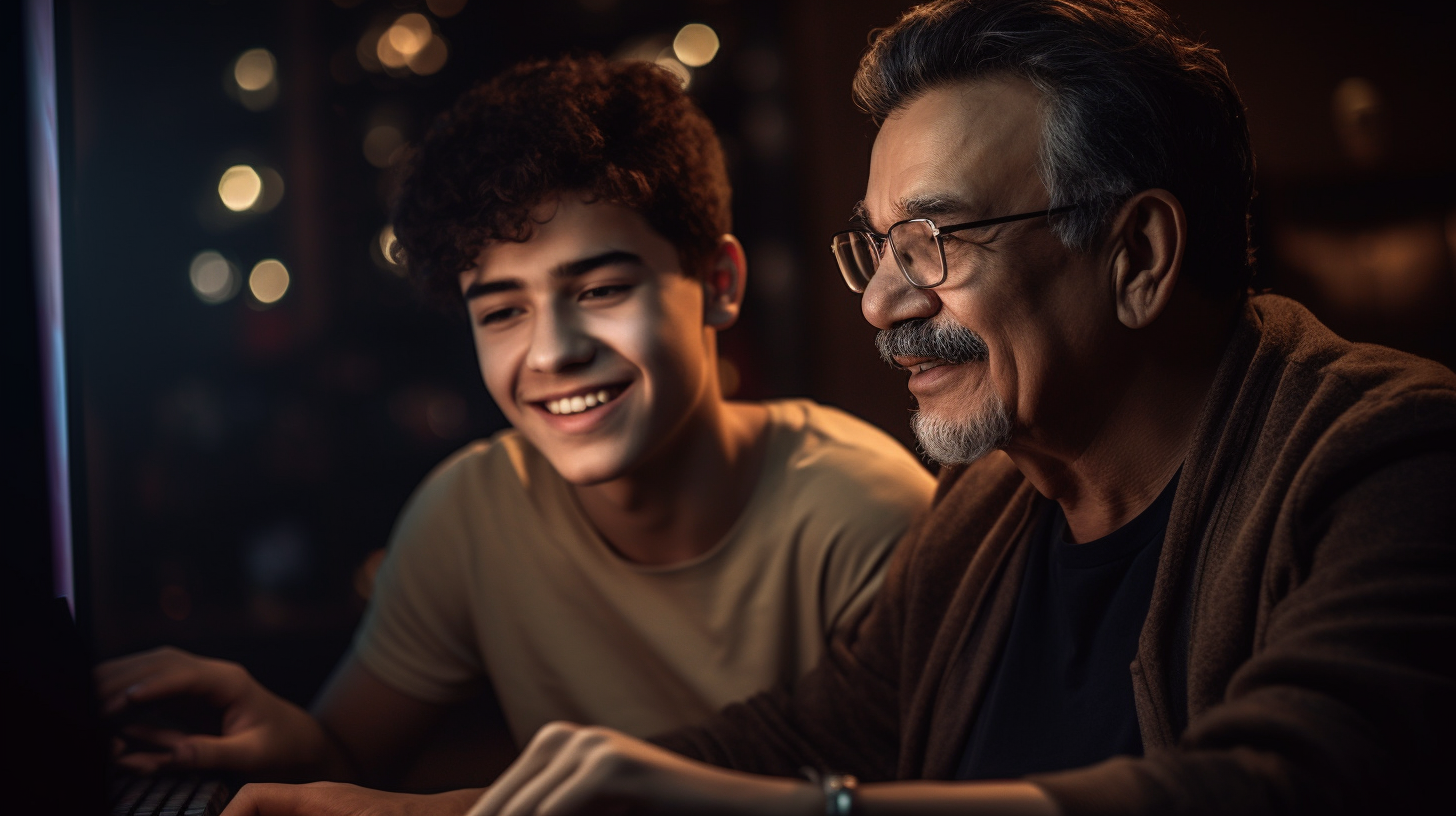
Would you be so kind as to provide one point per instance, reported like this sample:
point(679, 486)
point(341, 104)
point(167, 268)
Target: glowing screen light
point(239, 187)
point(214, 280)
point(255, 69)
point(695, 45)
point(268, 281)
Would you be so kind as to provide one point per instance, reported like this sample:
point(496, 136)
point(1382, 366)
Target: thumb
point(237, 752)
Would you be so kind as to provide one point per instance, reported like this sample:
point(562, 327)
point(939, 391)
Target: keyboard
point(167, 795)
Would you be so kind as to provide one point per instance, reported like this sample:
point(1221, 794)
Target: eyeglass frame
point(878, 241)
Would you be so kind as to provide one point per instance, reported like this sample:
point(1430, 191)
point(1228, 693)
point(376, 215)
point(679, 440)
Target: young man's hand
point(333, 799)
point(570, 769)
point(263, 735)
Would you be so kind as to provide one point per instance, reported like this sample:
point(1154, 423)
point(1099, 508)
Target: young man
point(637, 551)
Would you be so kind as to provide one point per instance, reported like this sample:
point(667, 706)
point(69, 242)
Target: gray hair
point(1130, 104)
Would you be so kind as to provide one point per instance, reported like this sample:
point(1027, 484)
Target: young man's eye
point(603, 292)
point(498, 315)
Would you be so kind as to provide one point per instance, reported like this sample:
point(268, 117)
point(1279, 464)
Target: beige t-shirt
point(494, 573)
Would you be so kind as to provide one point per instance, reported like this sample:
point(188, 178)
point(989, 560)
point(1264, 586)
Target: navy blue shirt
point(1061, 695)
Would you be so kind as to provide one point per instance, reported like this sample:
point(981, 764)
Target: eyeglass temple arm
point(990, 222)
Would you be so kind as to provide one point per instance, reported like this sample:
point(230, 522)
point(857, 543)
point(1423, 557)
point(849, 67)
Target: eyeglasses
point(916, 244)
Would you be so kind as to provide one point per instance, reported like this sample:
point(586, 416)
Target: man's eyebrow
point(571, 269)
point(476, 290)
point(933, 205)
point(578, 268)
point(929, 206)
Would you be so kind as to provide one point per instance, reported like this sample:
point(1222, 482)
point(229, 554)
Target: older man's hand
point(335, 799)
point(571, 769)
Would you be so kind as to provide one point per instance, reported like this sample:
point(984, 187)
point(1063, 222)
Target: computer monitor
point(56, 748)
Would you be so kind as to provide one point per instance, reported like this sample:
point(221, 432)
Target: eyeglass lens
point(917, 251)
point(857, 259)
point(912, 242)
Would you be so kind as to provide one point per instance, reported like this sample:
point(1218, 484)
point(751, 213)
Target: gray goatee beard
point(965, 441)
point(949, 442)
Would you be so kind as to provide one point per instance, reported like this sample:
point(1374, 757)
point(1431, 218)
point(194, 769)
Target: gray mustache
point(951, 342)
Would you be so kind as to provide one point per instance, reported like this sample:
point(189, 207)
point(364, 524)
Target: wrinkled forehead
point(974, 142)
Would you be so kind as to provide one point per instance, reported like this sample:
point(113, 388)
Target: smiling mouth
point(583, 401)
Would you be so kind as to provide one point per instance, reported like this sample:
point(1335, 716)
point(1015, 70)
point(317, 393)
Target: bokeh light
point(255, 69)
point(388, 244)
point(214, 279)
point(387, 54)
point(268, 281)
point(239, 187)
point(252, 79)
point(272, 192)
point(1360, 121)
point(445, 8)
point(409, 34)
point(382, 144)
point(683, 73)
point(430, 58)
point(695, 45)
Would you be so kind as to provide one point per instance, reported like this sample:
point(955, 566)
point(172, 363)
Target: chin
point(964, 439)
point(587, 468)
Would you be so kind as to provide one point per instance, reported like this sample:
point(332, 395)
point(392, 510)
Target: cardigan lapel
point(975, 627)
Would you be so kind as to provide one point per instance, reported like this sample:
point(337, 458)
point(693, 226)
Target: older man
point(1210, 566)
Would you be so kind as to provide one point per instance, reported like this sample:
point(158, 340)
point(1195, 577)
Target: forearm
point(958, 798)
point(745, 794)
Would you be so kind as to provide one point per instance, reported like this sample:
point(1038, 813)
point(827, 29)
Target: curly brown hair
point(622, 132)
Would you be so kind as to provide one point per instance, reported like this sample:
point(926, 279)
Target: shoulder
point(826, 449)
point(483, 478)
point(1325, 386)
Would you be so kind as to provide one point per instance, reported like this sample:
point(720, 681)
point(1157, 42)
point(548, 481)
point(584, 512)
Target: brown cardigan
point(1299, 654)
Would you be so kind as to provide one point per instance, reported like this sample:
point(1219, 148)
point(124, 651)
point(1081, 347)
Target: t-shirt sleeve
point(878, 507)
point(417, 634)
point(863, 490)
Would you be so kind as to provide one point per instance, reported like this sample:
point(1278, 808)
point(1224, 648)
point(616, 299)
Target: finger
point(538, 755)
point(218, 683)
point(239, 752)
point(114, 676)
point(160, 737)
point(529, 795)
point(584, 788)
point(272, 799)
point(258, 799)
point(144, 762)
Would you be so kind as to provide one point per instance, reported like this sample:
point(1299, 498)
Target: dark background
point(240, 463)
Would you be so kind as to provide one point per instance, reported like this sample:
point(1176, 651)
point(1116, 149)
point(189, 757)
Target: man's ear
point(1148, 236)
point(724, 283)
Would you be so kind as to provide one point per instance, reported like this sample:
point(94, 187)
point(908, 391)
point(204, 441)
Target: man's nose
point(889, 299)
point(558, 342)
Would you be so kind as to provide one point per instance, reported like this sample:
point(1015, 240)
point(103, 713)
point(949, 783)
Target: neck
point(1130, 438)
point(682, 501)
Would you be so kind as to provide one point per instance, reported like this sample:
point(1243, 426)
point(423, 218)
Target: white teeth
point(579, 403)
